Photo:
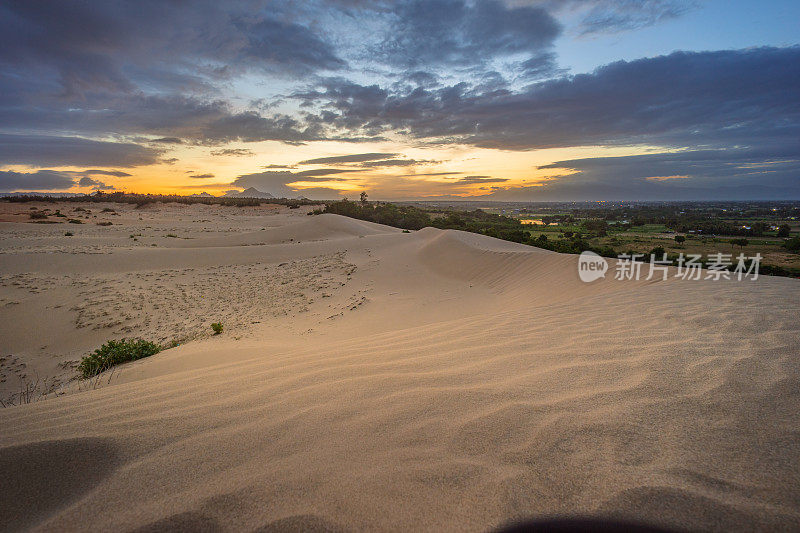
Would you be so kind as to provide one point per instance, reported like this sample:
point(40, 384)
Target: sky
point(506, 100)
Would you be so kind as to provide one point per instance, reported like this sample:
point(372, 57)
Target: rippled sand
point(369, 379)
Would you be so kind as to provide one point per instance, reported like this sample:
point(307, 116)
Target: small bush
point(104, 223)
point(115, 353)
point(37, 215)
point(75, 221)
point(172, 235)
point(217, 327)
point(68, 234)
point(107, 210)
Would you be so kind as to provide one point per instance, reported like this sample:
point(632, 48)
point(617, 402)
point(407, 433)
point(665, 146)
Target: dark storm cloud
point(49, 180)
point(41, 151)
point(432, 32)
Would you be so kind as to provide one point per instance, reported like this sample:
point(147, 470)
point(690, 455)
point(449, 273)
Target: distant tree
point(793, 244)
point(680, 239)
point(596, 225)
point(739, 242)
point(363, 197)
point(784, 230)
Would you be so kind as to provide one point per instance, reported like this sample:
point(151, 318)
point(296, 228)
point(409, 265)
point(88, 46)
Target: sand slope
point(427, 381)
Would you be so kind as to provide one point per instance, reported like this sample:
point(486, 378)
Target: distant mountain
point(203, 195)
point(252, 192)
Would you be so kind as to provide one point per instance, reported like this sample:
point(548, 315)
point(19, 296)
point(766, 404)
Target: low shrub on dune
point(114, 353)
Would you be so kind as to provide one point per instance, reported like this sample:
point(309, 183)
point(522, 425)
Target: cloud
point(325, 172)
point(430, 174)
point(115, 173)
point(201, 176)
point(352, 158)
point(41, 180)
point(249, 126)
point(96, 185)
point(368, 160)
point(277, 182)
point(681, 175)
point(435, 32)
point(589, 17)
point(117, 46)
point(232, 152)
point(607, 16)
point(481, 179)
point(118, 69)
point(41, 151)
point(685, 99)
point(725, 174)
point(398, 163)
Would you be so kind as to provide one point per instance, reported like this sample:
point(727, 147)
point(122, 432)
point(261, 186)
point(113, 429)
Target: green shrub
point(37, 215)
point(217, 327)
point(115, 353)
point(68, 234)
point(74, 221)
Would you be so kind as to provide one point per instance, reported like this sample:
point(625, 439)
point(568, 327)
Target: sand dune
point(376, 380)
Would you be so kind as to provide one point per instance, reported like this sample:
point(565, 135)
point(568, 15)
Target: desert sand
point(370, 379)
